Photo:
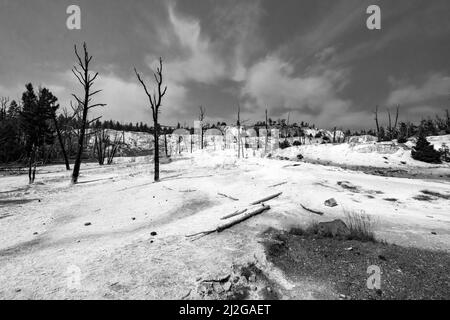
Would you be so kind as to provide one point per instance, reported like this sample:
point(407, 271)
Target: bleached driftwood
point(311, 210)
point(278, 184)
point(267, 198)
point(223, 227)
point(227, 196)
point(236, 213)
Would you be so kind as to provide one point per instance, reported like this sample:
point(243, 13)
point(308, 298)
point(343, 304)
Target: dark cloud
point(313, 59)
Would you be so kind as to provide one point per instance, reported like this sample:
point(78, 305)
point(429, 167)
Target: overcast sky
point(313, 58)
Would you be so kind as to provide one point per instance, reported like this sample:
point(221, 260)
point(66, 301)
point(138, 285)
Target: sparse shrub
point(424, 151)
point(445, 153)
point(360, 226)
point(402, 140)
point(285, 144)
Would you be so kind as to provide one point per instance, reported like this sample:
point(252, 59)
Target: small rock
point(133, 219)
point(35, 234)
point(218, 287)
point(153, 234)
point(331, 203)
point(342, 296)
point(87, 224)
point(252, 278)
point(299, 156)
point(434, 233)
point(381, 257)
point(18, 290)
point(379, 292)
point(227, 286)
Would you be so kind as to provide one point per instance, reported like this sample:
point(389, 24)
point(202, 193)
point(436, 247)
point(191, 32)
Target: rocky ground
point(118, 235)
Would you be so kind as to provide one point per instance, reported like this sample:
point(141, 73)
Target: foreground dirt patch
point(406, 273)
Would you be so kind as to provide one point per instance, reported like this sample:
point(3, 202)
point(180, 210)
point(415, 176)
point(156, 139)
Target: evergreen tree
point(35, 121)
point(403, 133)
point(424, 151)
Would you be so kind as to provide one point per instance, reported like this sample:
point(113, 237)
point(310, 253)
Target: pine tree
point(424, 151)
point(403, 133)
point(35, 120)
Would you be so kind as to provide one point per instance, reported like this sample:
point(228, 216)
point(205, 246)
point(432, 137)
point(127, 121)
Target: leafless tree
point(3, 106)
point(392, 129)
point(155, 103)
point(61, 141)
point(105, 148)
point(267, 134)
point(201, 118)
point(87, 81)
point(378, 125)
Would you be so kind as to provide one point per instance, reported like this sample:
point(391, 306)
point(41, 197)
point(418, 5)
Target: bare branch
point(97, 105)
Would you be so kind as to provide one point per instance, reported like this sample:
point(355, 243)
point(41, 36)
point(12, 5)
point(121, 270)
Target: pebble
point(87, 224)
point(227, 286)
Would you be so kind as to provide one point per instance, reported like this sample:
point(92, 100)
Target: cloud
point(198, 59)
point(272, 83)
point(435, 86)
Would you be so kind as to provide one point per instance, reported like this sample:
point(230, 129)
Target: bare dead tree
point(396, 117)
point(267, 134)
point(238, 123)
point(61, 141)
point(201, 117)
point(105, 148)
point(378, 125)
point(87, 81)
point(3, 106)
point(155, 103)
point(390, 124)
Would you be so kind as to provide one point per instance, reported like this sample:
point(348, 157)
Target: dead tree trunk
point(378, 125)
point(165, 144)
point(267, 135)
point(239, 130)
point(61, 142)
point(201, 117)
point(155, 103)
point(87, 81)
point(390, 125)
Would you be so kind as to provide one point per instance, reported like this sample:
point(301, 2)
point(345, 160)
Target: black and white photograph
point(233, 151)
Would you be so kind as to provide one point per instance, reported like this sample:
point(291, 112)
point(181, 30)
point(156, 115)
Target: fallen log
point(278, 184)
point(223, 227)
point(267, 198)
point(312, 211)
point(236, 213)
point(227, 196)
